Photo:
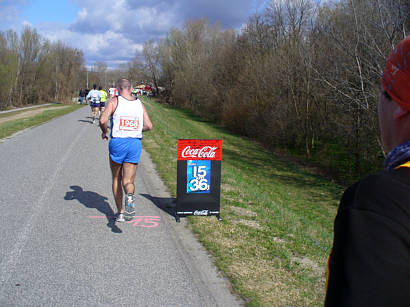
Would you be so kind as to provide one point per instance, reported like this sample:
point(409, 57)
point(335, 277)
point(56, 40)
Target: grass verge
point(276, 232)
point(10, 127)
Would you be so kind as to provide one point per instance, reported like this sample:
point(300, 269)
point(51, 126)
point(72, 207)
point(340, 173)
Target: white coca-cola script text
point(204, 152)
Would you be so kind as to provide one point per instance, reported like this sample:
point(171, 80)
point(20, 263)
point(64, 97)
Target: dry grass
point(13, 122)
point(27, 113)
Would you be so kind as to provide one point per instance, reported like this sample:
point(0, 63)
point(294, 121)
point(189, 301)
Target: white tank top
point(127, 120)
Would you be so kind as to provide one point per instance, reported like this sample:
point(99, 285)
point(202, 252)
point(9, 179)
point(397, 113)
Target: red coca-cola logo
point(204, 152)
point(199, 149)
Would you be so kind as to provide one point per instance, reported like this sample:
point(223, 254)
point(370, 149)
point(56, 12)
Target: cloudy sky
point(112, 30)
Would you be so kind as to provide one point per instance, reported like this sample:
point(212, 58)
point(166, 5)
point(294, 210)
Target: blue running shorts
point(125, 150)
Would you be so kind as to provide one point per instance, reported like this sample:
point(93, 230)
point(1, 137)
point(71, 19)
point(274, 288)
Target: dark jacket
point(370, 260)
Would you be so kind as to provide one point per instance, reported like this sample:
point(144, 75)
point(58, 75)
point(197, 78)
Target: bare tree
point(151, 56)
point(33, 70)
point(302, 74)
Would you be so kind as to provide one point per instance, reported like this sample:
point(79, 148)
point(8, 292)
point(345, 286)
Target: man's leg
point(96, 112)
point(116, 170)
point(128, 177)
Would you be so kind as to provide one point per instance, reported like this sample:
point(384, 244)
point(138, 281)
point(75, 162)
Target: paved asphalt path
point(60, 245)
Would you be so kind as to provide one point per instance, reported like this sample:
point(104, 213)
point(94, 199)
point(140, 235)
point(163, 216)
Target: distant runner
point(134, 92)
point(113, 92)
point(103, 99)
point(82, 94)
point(129, 119)
point(94, 96)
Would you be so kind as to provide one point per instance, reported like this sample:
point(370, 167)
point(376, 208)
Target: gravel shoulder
point(26, 113)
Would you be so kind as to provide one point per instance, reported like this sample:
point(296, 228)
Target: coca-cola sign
point(195, 153)
point(200, 150)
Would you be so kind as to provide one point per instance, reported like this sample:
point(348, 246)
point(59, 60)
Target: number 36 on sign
point(198, 176)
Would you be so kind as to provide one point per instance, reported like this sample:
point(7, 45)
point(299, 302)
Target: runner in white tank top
point(94, 96)
point(129, 120)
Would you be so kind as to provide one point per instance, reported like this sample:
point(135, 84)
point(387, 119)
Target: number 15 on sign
point(198, 176)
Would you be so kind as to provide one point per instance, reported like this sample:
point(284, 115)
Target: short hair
point(123, 84)
point(94, 86)
point(100, 88)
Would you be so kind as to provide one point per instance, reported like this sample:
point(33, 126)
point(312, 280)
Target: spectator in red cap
point(369, 264)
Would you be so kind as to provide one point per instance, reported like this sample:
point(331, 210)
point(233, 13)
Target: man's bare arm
point(147, 121)
point(109, 109)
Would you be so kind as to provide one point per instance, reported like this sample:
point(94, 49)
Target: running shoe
point(120, 218)
point(129, 205)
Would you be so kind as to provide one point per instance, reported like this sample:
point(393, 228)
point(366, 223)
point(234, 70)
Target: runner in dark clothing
point(82, 95)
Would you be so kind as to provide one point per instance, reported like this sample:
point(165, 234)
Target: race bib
point(129, 123)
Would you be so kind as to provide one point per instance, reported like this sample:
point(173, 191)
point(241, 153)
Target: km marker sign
point(198, 177)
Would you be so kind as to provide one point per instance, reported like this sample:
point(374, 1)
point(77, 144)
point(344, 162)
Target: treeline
point(34, 70)
point(302, 76)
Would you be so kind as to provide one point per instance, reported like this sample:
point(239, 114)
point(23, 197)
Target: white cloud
point(26, 23)
point(113, 31)
point(83, 13)
point(10, 18)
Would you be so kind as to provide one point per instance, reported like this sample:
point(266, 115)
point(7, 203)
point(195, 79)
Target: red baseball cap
point(396, 75)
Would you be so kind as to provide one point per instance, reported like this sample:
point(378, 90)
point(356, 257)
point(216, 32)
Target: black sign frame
point(198, 204)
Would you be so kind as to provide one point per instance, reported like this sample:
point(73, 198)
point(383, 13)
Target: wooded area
point(34, 70)
point(303, 76)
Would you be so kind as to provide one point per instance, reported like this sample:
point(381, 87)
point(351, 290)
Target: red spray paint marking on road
point(140, 221)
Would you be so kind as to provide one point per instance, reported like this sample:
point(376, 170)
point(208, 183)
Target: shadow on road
point(86, 121)
point(166, 204)
point(95, 201)
point(89, 119)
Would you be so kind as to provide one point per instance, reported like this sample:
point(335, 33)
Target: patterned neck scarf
point(397, 156)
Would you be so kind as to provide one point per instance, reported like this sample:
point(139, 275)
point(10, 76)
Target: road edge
point(216, 288)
